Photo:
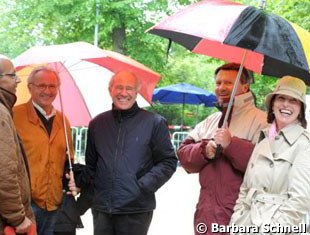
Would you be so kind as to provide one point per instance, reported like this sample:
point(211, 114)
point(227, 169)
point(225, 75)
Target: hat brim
point(284, 92)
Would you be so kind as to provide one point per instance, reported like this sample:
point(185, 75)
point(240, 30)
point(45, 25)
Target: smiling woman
point(287, 103)
point(275, 189)
point(286, 110)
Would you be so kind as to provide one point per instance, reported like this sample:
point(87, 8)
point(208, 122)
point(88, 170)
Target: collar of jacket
point(291, 132)
point(121, 115)
point(7, 98)
point(243, 101)
point(33, 117)
point(239, 102)
point(32, 114)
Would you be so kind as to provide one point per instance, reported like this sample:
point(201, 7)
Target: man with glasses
point(41, 129)
point(15, 193)
point(12, 75)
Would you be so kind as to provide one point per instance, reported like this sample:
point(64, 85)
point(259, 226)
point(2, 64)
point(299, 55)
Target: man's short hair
point(2, 59)
point(39, 69)
point(247, 76)
point(120, 73)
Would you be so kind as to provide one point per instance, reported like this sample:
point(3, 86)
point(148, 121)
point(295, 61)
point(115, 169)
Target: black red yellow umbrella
point(225, 30)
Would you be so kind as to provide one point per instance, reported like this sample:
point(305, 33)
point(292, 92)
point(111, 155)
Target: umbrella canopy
point(85, 71)
point(224, 30)
point(183, 93)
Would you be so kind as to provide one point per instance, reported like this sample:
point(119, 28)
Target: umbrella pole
point(183, 108)
point(197, 114)
point(233, 93)
point(74, 193)
point(97, 24)
point(262, 4)
point(231, 100)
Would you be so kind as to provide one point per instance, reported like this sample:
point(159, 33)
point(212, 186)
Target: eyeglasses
point(12, 75)
point(120, 88)
point(43, 87)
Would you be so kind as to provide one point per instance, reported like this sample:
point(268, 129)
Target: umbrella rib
point(90, 66)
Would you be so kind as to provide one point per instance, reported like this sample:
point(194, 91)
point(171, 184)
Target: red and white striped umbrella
point(226, 30)
point(85, 71)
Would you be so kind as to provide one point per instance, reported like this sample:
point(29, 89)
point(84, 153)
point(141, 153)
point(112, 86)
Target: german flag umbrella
point(225, 30)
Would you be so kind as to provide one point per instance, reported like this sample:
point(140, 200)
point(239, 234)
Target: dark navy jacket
point(129, 155)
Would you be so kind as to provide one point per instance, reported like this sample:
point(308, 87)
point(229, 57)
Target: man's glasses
point(43, 87)
point(120, 88)
point(11, 75)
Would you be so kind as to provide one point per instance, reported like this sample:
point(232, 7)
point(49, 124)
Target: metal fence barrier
point(79, 138)
point(177, 138)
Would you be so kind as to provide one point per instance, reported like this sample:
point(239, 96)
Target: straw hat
point(290, 86)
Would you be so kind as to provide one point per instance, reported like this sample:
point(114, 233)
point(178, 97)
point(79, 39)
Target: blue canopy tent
point(183, 93)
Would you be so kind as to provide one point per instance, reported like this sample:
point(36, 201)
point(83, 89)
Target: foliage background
point(122, 25)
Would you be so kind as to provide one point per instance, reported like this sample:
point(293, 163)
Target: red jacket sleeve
point(190, 155)
point(239, 152)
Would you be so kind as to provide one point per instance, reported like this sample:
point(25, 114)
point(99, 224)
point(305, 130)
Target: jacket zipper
point(113, 167)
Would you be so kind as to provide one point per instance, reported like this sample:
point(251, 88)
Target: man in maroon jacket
point(221, 176)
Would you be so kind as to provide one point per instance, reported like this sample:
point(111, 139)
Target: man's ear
point(246, 88)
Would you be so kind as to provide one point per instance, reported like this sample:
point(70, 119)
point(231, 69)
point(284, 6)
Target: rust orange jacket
point(46, 154)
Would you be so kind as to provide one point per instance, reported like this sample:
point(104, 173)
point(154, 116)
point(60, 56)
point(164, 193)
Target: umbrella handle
point(9, 230)
point(218, 150)
point(71, 173)
point(74, 192)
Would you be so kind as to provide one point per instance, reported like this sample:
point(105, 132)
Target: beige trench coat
point(276, 186)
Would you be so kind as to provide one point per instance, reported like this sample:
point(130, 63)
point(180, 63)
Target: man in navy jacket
point(129, 156)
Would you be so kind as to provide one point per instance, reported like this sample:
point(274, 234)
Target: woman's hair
point(301, 117)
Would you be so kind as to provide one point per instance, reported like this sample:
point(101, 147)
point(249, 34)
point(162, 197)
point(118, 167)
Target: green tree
point(122, 25)
point(292, 10)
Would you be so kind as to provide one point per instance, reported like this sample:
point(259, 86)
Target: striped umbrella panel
point(84, 90)
point(225, 30)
